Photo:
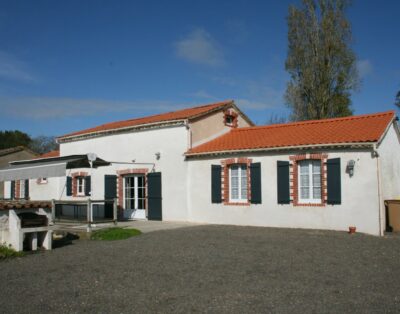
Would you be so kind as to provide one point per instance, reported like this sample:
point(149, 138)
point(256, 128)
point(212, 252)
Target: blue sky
point(69, 65)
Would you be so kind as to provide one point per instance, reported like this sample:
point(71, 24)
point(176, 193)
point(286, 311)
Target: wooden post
point(89, 215)
point(115, 211)
point(53, 210)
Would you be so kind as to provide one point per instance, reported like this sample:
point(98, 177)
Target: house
point(211, 164)
point(146, 154)
point(323, 174)
point(12, 154)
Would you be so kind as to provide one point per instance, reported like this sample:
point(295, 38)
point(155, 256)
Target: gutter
point(264, 149)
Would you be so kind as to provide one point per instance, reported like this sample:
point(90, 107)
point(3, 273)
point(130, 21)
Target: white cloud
point(48, 107)
point(203, 94)
point(13, 69)
point(199, 47)
point(364, 68)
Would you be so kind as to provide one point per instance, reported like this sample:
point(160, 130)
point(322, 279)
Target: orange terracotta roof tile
point(183, 114)
point(353, 129)
point(53, 153)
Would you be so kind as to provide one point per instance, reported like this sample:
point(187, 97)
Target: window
point(21, 189)
point(309, 181)
point(238, 183)
point(229, 120)
point(42, 181)
point(134, 192)
point(80, 186)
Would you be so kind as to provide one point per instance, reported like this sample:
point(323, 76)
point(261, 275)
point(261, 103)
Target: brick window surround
point(225, 164)
point(234, 115)
point(294, 178)
point(120, 185)
point(17, 189)
point(75, 176)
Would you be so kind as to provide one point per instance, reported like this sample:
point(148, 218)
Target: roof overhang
point(47, 167)
point(134, 128)
point(284, 148)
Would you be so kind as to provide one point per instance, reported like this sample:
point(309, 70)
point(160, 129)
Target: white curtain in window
point(238, 183)
point(310, 180)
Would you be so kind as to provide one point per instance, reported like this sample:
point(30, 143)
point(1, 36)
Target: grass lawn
point(7, 252)
point(112, 234)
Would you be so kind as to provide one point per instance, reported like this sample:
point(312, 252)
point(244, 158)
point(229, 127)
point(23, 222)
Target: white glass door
point(134, 197)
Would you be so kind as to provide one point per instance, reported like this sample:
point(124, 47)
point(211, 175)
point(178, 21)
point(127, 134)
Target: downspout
point(378, 173)
point(188, 181)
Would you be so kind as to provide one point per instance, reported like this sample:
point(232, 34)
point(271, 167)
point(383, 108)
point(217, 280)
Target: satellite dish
point(91, 157)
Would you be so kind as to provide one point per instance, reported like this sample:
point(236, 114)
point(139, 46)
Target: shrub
point(7, 252)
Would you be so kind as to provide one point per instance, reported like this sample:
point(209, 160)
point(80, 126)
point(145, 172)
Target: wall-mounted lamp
point(350, 167)
point(158, 155)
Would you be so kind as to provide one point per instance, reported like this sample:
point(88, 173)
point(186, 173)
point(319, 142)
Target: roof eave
point(244, 116)
point(392, 121)
point(78, 137)
point(283, 148)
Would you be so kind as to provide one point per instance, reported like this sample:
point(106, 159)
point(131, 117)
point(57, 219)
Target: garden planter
point(352, 230)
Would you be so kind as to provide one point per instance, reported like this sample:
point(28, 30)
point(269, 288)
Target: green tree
point(320, 62)
point(397, 101)
point(14, 138)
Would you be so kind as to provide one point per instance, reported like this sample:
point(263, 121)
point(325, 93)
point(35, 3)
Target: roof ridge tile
point(181, 114)
point(288, 124)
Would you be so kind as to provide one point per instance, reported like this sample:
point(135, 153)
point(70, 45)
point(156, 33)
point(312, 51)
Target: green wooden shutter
point(255, 180)
point(283, 182)
point(88, 185)
point(110, 186)
point(334, 181)
point(26, 189)
point(69, 186)
point(216, 184)
point(12, 190)
point(154, 189)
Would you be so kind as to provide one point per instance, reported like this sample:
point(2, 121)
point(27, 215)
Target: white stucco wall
point(51, 190)
point(389, 155)
point(360, 202)
point(141, 146)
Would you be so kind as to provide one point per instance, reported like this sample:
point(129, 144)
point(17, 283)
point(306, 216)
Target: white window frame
point(80, 182)
point(310, 199)
point(240, 199)
point(21, 189)
point(136, 188)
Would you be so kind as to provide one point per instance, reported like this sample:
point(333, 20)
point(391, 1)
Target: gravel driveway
point(209, 269)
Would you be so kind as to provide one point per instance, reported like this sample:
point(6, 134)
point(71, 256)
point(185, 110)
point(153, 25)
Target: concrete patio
point(144, 226)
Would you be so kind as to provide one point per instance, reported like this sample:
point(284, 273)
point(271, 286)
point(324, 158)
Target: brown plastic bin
point(393, 215)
